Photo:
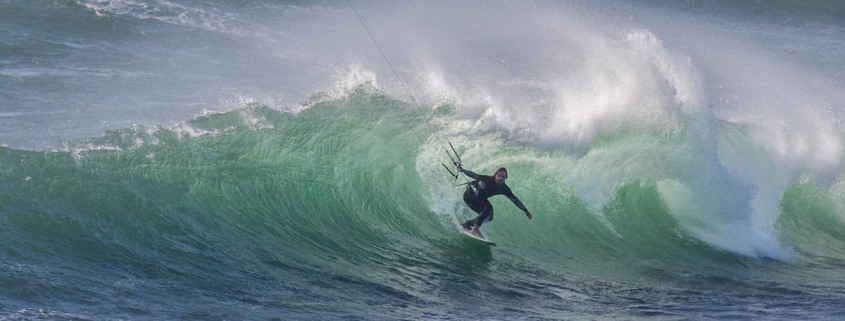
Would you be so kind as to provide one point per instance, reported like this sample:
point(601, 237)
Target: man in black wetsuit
point(480, 190)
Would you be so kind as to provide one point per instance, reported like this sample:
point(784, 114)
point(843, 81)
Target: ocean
point(281, 160)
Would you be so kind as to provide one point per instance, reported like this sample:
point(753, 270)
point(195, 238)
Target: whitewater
point(212, 160)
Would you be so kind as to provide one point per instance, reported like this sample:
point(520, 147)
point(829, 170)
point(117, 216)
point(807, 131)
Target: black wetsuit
point(479, 191)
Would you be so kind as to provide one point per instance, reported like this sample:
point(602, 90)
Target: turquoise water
point(207, 161)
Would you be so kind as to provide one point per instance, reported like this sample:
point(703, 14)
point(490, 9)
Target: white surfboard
point(482, 239)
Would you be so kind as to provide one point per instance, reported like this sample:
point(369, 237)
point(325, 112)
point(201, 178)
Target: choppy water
point(210, 160)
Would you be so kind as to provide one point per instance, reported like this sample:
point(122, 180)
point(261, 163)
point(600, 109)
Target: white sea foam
point(171, 12)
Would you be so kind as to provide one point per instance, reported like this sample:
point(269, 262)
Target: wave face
point(201, 160)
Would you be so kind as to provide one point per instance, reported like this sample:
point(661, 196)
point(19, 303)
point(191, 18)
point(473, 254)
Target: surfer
point(482, 188)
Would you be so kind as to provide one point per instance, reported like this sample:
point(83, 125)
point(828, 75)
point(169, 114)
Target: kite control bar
point(456, 163)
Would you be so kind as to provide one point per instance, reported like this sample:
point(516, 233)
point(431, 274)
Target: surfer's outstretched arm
point(516, 202)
